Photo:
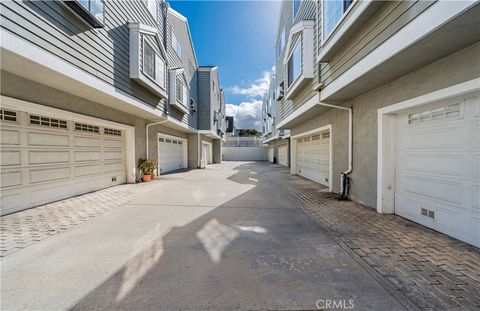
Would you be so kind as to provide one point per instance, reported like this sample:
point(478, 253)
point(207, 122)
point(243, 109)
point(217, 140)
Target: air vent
point(8, 115)
point(87, 128)
point(114, 178)
point(427, 213)
point(112, 132)
point(281, 91)
point(46, 121)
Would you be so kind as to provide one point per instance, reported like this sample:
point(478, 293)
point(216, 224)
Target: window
point(294, 66)
point(333, 11)
point(446, 112)
point(296, 5)
point(46, 121)
point(281, 42)
point(152, 8)
point(148, 60)
point(8, 115)
point(177, 46)
point(181, 92)
point(87, 128)
point(112, 132)
point(92, 11)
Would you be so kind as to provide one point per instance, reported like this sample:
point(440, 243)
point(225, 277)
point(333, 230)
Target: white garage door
point(283, 154)
point(313, 157)
point(172, 153)
point(207, 152)
point(270, 153)
point(438, 166)
point(45, 158)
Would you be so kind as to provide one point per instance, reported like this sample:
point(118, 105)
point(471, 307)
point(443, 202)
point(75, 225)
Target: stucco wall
point(456, 68)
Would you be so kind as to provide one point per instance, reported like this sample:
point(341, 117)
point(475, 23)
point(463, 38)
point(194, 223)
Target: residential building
point(385, 105)
point(90, 87)
point(277, 140)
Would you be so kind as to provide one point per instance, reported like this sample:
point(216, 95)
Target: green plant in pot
point(147, 168)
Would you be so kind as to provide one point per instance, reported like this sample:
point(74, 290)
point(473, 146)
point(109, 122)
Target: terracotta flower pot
point(147, 178)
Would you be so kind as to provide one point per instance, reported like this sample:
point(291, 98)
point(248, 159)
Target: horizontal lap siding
point(389, 20)
point(188, 63)
point(306, 11)
point(103, 53)
point(204, 91)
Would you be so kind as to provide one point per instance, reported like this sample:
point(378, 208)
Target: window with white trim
point(181, 92)
point(177, 46)
point(333, 10)
point(294, 65)
point(47, 121)
point(8, 115)
point(148, 60)
point(87, 128)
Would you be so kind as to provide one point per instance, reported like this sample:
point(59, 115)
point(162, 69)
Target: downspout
point(146, 133)
point(344, 180)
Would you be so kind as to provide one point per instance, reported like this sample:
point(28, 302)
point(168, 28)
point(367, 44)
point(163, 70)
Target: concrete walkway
point(221, 238)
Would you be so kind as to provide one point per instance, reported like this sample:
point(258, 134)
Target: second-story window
point(294, 65)
point(333, 11)
point(281, 42)
point(177, 46)
point(182, 92)
point(91, 11)
point(148, 60)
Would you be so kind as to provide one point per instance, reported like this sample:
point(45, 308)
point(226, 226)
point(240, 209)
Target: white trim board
point(386, 140)
point(21, 105)
point(434, 17)
point(293, 149)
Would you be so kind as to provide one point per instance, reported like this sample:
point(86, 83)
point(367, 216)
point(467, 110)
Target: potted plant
point(147, 168)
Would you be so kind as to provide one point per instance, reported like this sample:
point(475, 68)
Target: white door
point(171, 153)
point(438, 166)
point(270, 154)
point(283, 154)
point(45, 158)
point(313, 157)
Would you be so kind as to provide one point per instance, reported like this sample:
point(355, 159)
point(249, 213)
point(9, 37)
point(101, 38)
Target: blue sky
point(238, 37)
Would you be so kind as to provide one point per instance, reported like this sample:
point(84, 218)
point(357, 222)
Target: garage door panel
point(432, 188)
point(451, 137)
point(83, 156)
point(433, 163)
point(10, 137)
point(79, 141)
point(113, 167)
point(48, 157)
point(11, 179)
point(47, 139)
point(171, 155)
point(10, 157)
point(313, 157)
point(112, 143)
point(87, 170)
point(112, 155)
point(49, 174)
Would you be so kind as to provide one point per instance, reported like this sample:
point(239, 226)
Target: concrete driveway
point(220, 238)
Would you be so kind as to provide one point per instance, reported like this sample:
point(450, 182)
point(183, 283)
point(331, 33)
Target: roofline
point(185, 20)
point(207, 68)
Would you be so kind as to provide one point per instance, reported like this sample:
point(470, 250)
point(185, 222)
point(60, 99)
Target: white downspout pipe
point(350, 138)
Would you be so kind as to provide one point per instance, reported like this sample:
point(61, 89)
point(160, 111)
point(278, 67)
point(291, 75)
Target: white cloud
point(257, 89)
point(246, 114)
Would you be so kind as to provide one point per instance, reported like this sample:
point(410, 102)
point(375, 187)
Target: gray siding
point(52, 27)
point(188, 63)
point(203, 105)
point(390, 19)
point(306, 11)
